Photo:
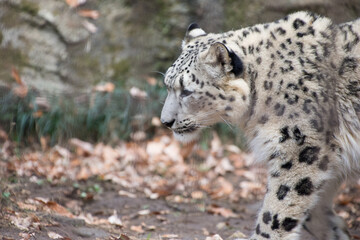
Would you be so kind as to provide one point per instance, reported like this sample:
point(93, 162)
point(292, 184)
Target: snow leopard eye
point(185, 93)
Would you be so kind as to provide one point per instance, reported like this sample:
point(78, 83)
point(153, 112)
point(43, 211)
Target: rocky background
point(68, 46)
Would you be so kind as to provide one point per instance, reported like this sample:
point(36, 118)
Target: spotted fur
point(294, 87)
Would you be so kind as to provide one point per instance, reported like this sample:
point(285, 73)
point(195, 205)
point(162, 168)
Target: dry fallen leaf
point(137, 93)
point(110, 156)
point(42, 103)
point(115, 220)
point(63, 152)
point(150, 194)
point(237, 160)
point(82, 148)
point(356, 237)
point(197, 195)
point(89, 13)
point(54, 235)
point(21, 91)
point(26, 206)
point(83, 174)
point(173, 152)
point(3, 135)
point(107, 87)
point(344, 214)
point(170, 236)
point(151, 80)
point(237, 235)
point(138, 136)
point(233, 148)
point(137, 229)
point(344, 199)
point(187, 149)
point(144, 212)
point(25, 236)
point(161, 218)
point(225, 212)
point(90, 219)
point(5, 151)
point(15, 74)
point(44, 143)
point(123, 237)
point(216, 146)
point(214, 237)
point(249, 188)
point(74, 205)
point(38, 114)
point(149, 227)
point(75, 3)
point(126, 194)
point(205, 232)
point(221, 188)
point(55, 207)
point(155, 121)
point(155, 147)
point(90, 26)
point(221, 225)
point(224, 166)
point(21, 223)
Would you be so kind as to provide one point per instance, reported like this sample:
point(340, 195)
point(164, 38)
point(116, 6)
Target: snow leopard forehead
point(188, 59)
point(185, 63)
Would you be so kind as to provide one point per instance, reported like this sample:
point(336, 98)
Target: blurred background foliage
point(94, 70)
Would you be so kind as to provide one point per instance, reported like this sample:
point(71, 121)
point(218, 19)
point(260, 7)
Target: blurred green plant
point(99, 116)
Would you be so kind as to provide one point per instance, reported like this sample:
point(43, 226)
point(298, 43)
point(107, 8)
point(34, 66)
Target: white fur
point(196, 33)
point(187, 137)
point(241, 85)
point(261, 152)
point(349, 140)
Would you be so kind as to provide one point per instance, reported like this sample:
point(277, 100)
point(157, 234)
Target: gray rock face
point(39, 33)
point(56, 50)
point(68, 24)
point(42, 48)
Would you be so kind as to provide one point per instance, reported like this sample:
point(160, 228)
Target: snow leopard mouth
point(186, 129)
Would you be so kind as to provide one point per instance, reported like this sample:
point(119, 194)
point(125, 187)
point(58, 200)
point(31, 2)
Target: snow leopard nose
point(168, 123)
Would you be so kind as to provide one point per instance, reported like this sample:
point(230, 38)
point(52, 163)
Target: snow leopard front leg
point(322, 222)
point(296, 177)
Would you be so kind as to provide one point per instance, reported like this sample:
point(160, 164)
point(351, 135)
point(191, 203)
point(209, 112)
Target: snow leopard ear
point(193, 31)
point(218, 54)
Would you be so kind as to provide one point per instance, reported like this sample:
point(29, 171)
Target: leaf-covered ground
point(137, 190)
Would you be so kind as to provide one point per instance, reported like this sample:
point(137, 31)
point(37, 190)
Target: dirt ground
point(159, 219)
point(142, 218)
point(152, 190)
